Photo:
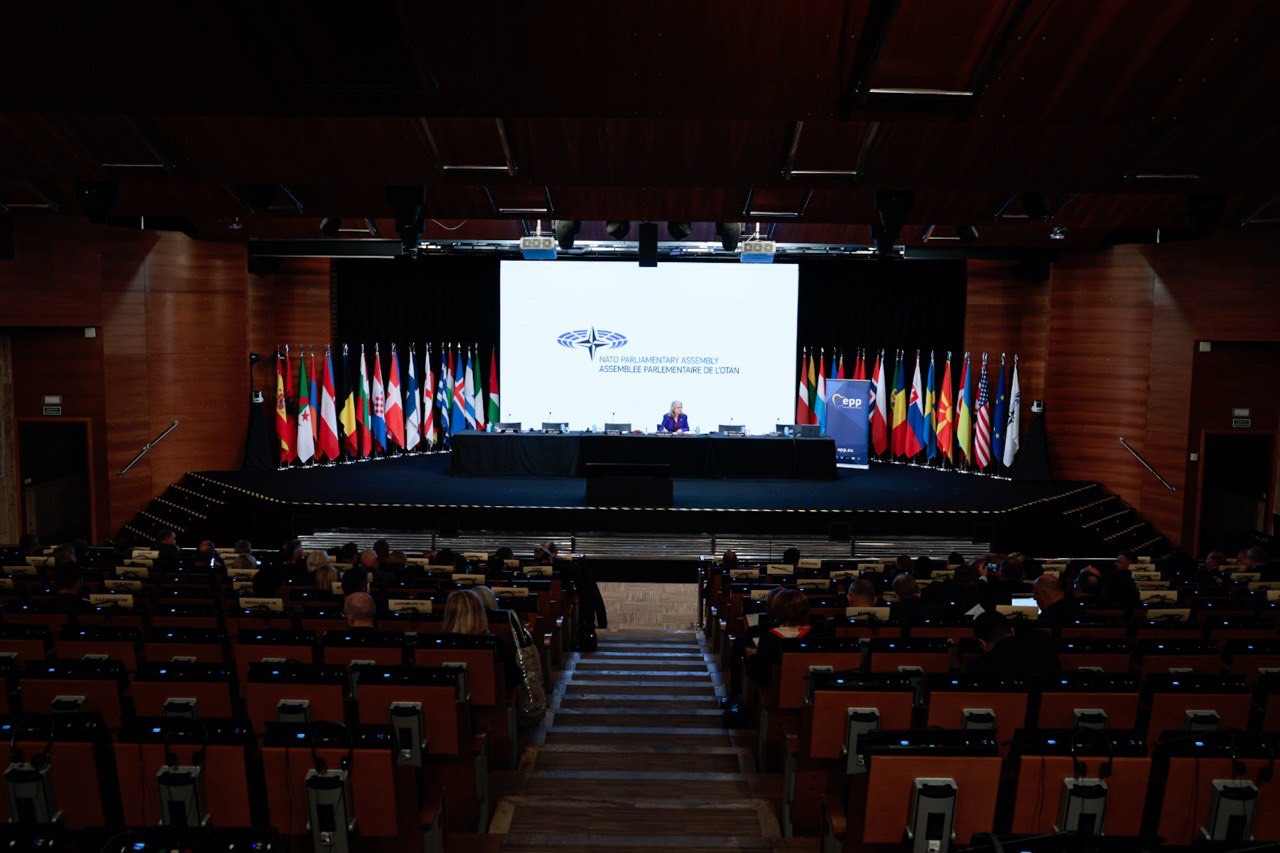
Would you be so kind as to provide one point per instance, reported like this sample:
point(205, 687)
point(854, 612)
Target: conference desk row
point(528, 454)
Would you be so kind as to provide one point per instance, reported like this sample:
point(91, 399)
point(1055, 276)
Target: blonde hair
point(243, 561)
point(316, 560)
point(464, 614)
point(486, 596)
point(324, 578)
point(674, 403)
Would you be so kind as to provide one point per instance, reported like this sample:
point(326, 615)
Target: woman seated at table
point(675, 420)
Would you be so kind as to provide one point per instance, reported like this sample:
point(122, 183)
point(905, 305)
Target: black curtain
point(843, 303)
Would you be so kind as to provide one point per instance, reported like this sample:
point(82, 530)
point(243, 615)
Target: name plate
point(474, 555)
point(780, 569)
point(1158, 597)
point(1169, 614)
point(867, 614)
point(469, 580)
point(843, 575)
point(439, 569)
point(111, 599)
point(133, 573)
point(129, 586)
point(809, 563)
point(531, 571)
point(336, 587)
point(743, 574)
point(1145, 576)
point(1273, 595)
point(1147, 585)
point(26, 571)
point(1018, 611)
point(1247, 576)
point(6, 583)
point(408, 605)
point(511, 591)
point(141, 562)
point(39, 561)
point(515, 564)
point(272, 605)
point(241, 574)
point(145, 553)
point(759, 594)
point(813, 583)
point(1264, 584)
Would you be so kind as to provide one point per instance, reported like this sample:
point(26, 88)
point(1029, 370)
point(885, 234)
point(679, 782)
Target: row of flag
point(921, 420)
point(351, 413)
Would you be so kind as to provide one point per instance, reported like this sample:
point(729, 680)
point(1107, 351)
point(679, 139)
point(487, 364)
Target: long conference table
point(530, 454)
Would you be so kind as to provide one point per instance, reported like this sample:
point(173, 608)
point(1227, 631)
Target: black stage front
point(480, 454)
point(419, 493)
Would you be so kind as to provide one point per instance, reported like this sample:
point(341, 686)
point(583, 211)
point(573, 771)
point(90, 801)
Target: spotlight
point(407, 203)
point(679, 230)
point(729, 233)
point(254, 358)
point(1057, 232)
point(565, 230)
point(330, 226)
point(967, 233)
point(1036, 205)
point(617, 230)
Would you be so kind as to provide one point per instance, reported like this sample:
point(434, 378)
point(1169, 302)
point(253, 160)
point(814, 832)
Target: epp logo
point(591, 340)
point(843, 402)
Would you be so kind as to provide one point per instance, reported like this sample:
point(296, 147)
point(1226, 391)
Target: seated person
point(355, 580)
point(791, 609)
point(675, 420)
point(68, 584)
point(359, 610)
point(324, 578)
point(1003, 654)
point(317, 559)
point(167, 552)
point(206, 556)
point(862, 593)
point(907, 608)
point(267, 582)
point(464, 613)
point(1056, 609)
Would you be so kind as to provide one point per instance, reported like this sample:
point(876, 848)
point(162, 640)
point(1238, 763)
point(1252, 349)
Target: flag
point(833, 372)
point(328, 443)
point(378, 403)
point(477, 399)
point(945, 424)
point(860, 366)
point(999, 417)
point(964, 424)
point(412, 421)
point(915, 440)
point(879, 400)
point(494, 412)
point(315, 399)
point(821, 396)
point(291, 406)
point(364, 409)
point(444, 391)
point(811, 387)
point(394, 408)
point(840, 367)
point(899, 428)
point(930, 413)
point(347, 412)
point(802, 390)
point(282, 410)
point(306, 415)
point(982, 418)
point(1012, 436)
point(458, 367)
point(428, 400)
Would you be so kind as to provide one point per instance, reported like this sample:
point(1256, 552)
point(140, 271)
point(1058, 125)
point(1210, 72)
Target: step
point(672, 760)
point(536, 815)
point(634, 669)
point(655, 656)
point(691, 688)
point(595, 701)
point(644, 718)
point(632, 784)
point(637, 736)
point(594, 664)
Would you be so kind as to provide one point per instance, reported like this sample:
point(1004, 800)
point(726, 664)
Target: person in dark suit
point(1003, 654)
point(1056, 609)
point(675, 420)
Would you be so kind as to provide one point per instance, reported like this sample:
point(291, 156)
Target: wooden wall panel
point(10, 522)
point(302, 302)
point(53, 280)
point(1099, 353)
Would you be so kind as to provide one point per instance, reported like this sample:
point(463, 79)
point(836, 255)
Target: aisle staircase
point(634, 757)
point(1103, 523)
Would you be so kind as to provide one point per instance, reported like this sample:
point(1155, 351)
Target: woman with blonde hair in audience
point(487, 596)
point(324, 577)
point(464, 614)
point(317, 559)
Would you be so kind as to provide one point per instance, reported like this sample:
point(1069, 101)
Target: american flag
point(982, 440)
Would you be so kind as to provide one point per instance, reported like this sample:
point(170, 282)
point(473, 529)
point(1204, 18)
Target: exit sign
point(1242, 423)
point(52, 410)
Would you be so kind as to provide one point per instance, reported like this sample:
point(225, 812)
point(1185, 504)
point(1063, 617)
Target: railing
point(143, 452)
point(1145, 464)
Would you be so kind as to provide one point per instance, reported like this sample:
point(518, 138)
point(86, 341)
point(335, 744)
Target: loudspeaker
point(648, 244)
point(97, 199)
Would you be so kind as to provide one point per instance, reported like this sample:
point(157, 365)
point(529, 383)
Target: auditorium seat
point(1116, 695)
point(1183, 700)
point(961, 701)
point(932, 655)
point(1161, 656)
point(320, 688)
point(221, 748)
point(118, 643)
point(98, 683)
point(157, 685)
point(343, 646)
point(73, 744)
point(1041, 761)
point(1109, 655)
point(251, 646)
point(1249, 657)
point(26, 641)
point(194, 616)
point(208, 645)
point(1192, 763)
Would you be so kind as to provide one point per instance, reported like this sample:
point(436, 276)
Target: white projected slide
point(590, 343)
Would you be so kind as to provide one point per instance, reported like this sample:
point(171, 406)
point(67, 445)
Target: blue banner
point(848, 402)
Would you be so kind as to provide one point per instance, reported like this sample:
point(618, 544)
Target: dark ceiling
point(273, 115)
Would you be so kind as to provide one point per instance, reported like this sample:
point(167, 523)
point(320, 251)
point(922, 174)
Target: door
point(53, 467)
point(1236, 479)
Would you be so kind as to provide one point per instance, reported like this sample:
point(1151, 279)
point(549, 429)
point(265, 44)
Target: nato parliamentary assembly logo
point(591, 340)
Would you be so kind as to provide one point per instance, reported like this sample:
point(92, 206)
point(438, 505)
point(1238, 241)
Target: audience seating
point(47, 686)
point(323, 687)
point(163, 688)
point(73, 745)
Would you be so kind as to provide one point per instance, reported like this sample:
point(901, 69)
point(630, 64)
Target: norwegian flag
point(982, 439)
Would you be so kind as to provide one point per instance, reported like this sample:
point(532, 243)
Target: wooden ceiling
point(270, 116)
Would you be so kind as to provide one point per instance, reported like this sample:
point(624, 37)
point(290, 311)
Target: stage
point(419, 493)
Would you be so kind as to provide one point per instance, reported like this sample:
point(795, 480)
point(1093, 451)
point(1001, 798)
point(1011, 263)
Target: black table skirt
point(478, 454)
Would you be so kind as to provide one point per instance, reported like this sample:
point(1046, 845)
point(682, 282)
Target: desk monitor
point(732, 429)
point(508, 426)
point(617, 429)
point(554, 427)
point(798, 430)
